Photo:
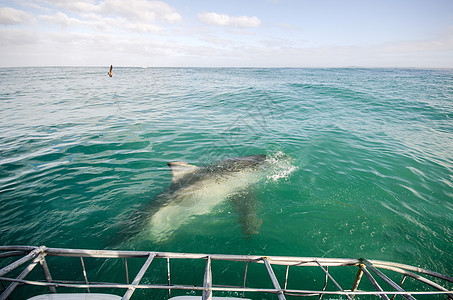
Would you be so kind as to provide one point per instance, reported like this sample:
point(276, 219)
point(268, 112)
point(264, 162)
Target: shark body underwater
point(197, 190)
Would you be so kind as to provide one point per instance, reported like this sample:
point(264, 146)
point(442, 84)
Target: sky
point(227, 33)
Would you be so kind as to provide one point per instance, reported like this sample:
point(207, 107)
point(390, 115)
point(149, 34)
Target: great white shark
point(197, 190)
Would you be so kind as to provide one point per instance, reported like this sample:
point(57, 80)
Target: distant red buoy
point(111, 71)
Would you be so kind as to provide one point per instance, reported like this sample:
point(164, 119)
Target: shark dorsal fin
point(180, 169)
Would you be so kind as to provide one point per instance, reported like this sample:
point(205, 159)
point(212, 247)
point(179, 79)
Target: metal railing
point(31, 256)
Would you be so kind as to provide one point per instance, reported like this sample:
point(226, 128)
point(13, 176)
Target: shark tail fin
point(180, 169)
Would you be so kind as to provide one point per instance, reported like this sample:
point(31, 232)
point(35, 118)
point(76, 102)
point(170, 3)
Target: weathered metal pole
point(388, 280)
point(85, 274)
point(357, 279)
point(168, 276)
point(280, 294)
point(286, 277)
point(207, 282)
point(139, 276)
point(333, 280)
point(21, 261)
point(374, 282)
point(245, 277)
point(46, 271)
point(21, 276)
point(126, 270)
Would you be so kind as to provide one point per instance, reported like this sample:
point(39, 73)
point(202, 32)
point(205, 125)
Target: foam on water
point(281, 166)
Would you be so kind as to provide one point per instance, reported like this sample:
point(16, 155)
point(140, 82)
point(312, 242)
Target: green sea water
point(362, 159)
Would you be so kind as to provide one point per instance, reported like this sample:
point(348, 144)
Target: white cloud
point(76, 5)
point(61, 19)
point(133, 10)
point(18, 37)
point(98, 22)
point(135, 15)
point(444, 43)
point(142, 27)
point(141, 10)
point(139, 16)
point(11, 16)
point(212, 18)
point(101, 32)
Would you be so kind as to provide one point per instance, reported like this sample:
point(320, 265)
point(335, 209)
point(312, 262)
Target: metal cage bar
point(386, 279)
point(374, 283)
point(207, 281)
point(139, 277)
point(45, 269)
point(168, 276)
point(37, 255)
point(277, 287)
point(333, 280)
point(20, 261)
point(84, 271)
point(22, 275)
point(245, 277)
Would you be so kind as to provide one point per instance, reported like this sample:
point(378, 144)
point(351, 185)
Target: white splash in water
point(281, 166)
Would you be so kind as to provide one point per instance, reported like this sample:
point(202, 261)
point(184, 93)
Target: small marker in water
point(111, 71)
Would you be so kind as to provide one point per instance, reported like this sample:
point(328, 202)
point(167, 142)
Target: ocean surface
point(360, 160)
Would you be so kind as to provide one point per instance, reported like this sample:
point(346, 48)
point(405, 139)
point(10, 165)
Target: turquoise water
point(362, 158)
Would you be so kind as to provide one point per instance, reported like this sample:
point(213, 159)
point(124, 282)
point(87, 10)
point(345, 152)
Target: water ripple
point(369, 169)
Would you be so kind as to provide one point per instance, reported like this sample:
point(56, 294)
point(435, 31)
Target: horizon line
point(233, 67)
